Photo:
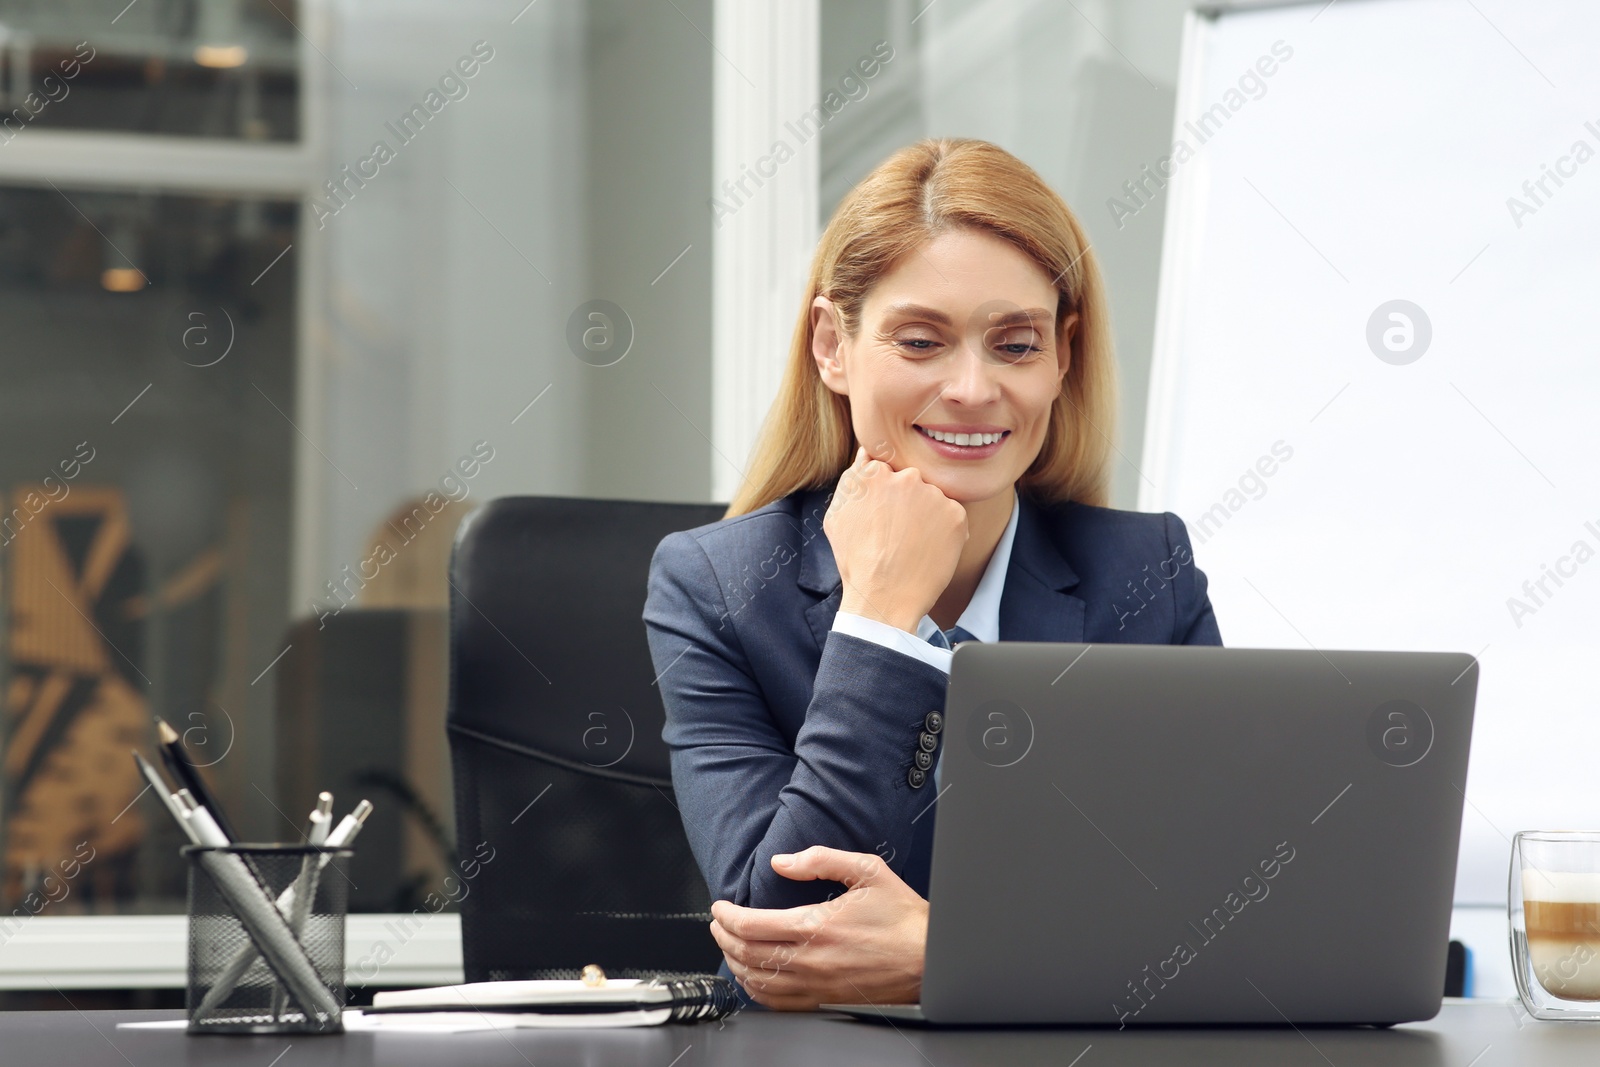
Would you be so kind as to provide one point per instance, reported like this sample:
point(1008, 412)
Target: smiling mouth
point(963, 440)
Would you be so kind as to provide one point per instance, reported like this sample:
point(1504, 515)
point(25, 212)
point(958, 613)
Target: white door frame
point(764, 206)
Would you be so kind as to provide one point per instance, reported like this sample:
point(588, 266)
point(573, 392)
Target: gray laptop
point(1147, 834)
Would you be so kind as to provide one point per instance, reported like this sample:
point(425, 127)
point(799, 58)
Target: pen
point(305, 886)
point(176, 757)
point(201, 821)
point(321, 820)
point(348, 827)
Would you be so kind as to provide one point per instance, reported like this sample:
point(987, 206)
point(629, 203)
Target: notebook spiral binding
point(698, 996)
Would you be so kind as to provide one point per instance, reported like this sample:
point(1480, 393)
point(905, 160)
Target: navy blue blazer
point(784, 734)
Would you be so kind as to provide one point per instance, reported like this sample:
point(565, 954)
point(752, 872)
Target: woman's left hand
point(865, 946)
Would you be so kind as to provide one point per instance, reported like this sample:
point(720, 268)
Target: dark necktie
point(949, 638)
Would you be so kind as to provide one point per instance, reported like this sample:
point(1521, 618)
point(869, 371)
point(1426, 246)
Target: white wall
point(1428, 491)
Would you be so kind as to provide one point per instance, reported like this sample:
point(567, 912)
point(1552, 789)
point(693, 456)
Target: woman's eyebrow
point(1028, 315)
point(918, 311)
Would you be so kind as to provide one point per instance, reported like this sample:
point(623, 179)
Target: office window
point(192, 68)
point(246, 353)
point(146, 447)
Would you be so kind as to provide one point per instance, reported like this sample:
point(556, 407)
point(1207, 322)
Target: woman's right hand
point(896, 540)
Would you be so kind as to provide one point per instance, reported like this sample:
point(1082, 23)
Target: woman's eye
point(1019, 349)
point(917, 344)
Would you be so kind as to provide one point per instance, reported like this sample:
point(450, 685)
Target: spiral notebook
point(566, 1002)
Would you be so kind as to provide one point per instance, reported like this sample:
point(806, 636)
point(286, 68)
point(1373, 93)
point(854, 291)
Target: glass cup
point(1554, 911)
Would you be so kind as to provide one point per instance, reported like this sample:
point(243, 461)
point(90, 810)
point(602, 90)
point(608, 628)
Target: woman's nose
point(972, 378)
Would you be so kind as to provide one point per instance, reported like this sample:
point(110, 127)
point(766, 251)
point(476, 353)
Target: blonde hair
point(922, 190)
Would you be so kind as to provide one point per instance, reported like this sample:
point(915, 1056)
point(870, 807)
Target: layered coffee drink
point(1562, 915)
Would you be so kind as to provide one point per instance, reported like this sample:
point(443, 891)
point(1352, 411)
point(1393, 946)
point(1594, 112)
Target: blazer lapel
point(819, 573)
point(1034, 605)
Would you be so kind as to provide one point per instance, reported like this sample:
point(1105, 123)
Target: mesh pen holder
point(266, 938)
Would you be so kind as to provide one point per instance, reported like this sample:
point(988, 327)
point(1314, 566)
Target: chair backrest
point(562, 783)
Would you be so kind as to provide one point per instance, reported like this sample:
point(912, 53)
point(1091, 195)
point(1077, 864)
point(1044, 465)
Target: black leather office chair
point(561, 776)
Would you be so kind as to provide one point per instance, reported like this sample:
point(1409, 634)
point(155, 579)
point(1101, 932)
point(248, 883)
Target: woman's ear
point(1069, 327)
point(826, 338)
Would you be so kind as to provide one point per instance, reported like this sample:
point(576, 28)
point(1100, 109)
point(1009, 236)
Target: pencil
point(176, 758)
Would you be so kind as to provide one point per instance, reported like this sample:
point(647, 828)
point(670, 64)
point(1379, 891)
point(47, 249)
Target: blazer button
point(923, 760)
point(927, 741)
point(933, 723)
point(916, 777)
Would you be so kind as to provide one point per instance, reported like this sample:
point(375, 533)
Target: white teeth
point(969, 439)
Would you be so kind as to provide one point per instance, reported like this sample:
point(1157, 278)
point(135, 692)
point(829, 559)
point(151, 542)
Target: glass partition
point(246, 351)
point(146, 461)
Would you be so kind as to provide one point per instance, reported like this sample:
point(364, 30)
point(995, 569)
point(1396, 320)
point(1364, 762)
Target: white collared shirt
point(981, 618)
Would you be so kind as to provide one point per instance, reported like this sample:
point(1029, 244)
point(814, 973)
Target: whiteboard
point(1423, 485)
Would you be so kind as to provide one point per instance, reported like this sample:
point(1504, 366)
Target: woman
point(934, 469)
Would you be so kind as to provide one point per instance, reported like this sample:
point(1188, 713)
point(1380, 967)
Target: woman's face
point(956, 342)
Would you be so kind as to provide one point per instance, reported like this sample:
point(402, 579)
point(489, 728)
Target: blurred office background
point(281, 364)
point(288, 288)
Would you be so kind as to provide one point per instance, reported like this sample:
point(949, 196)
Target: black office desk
point(1479, 1034)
